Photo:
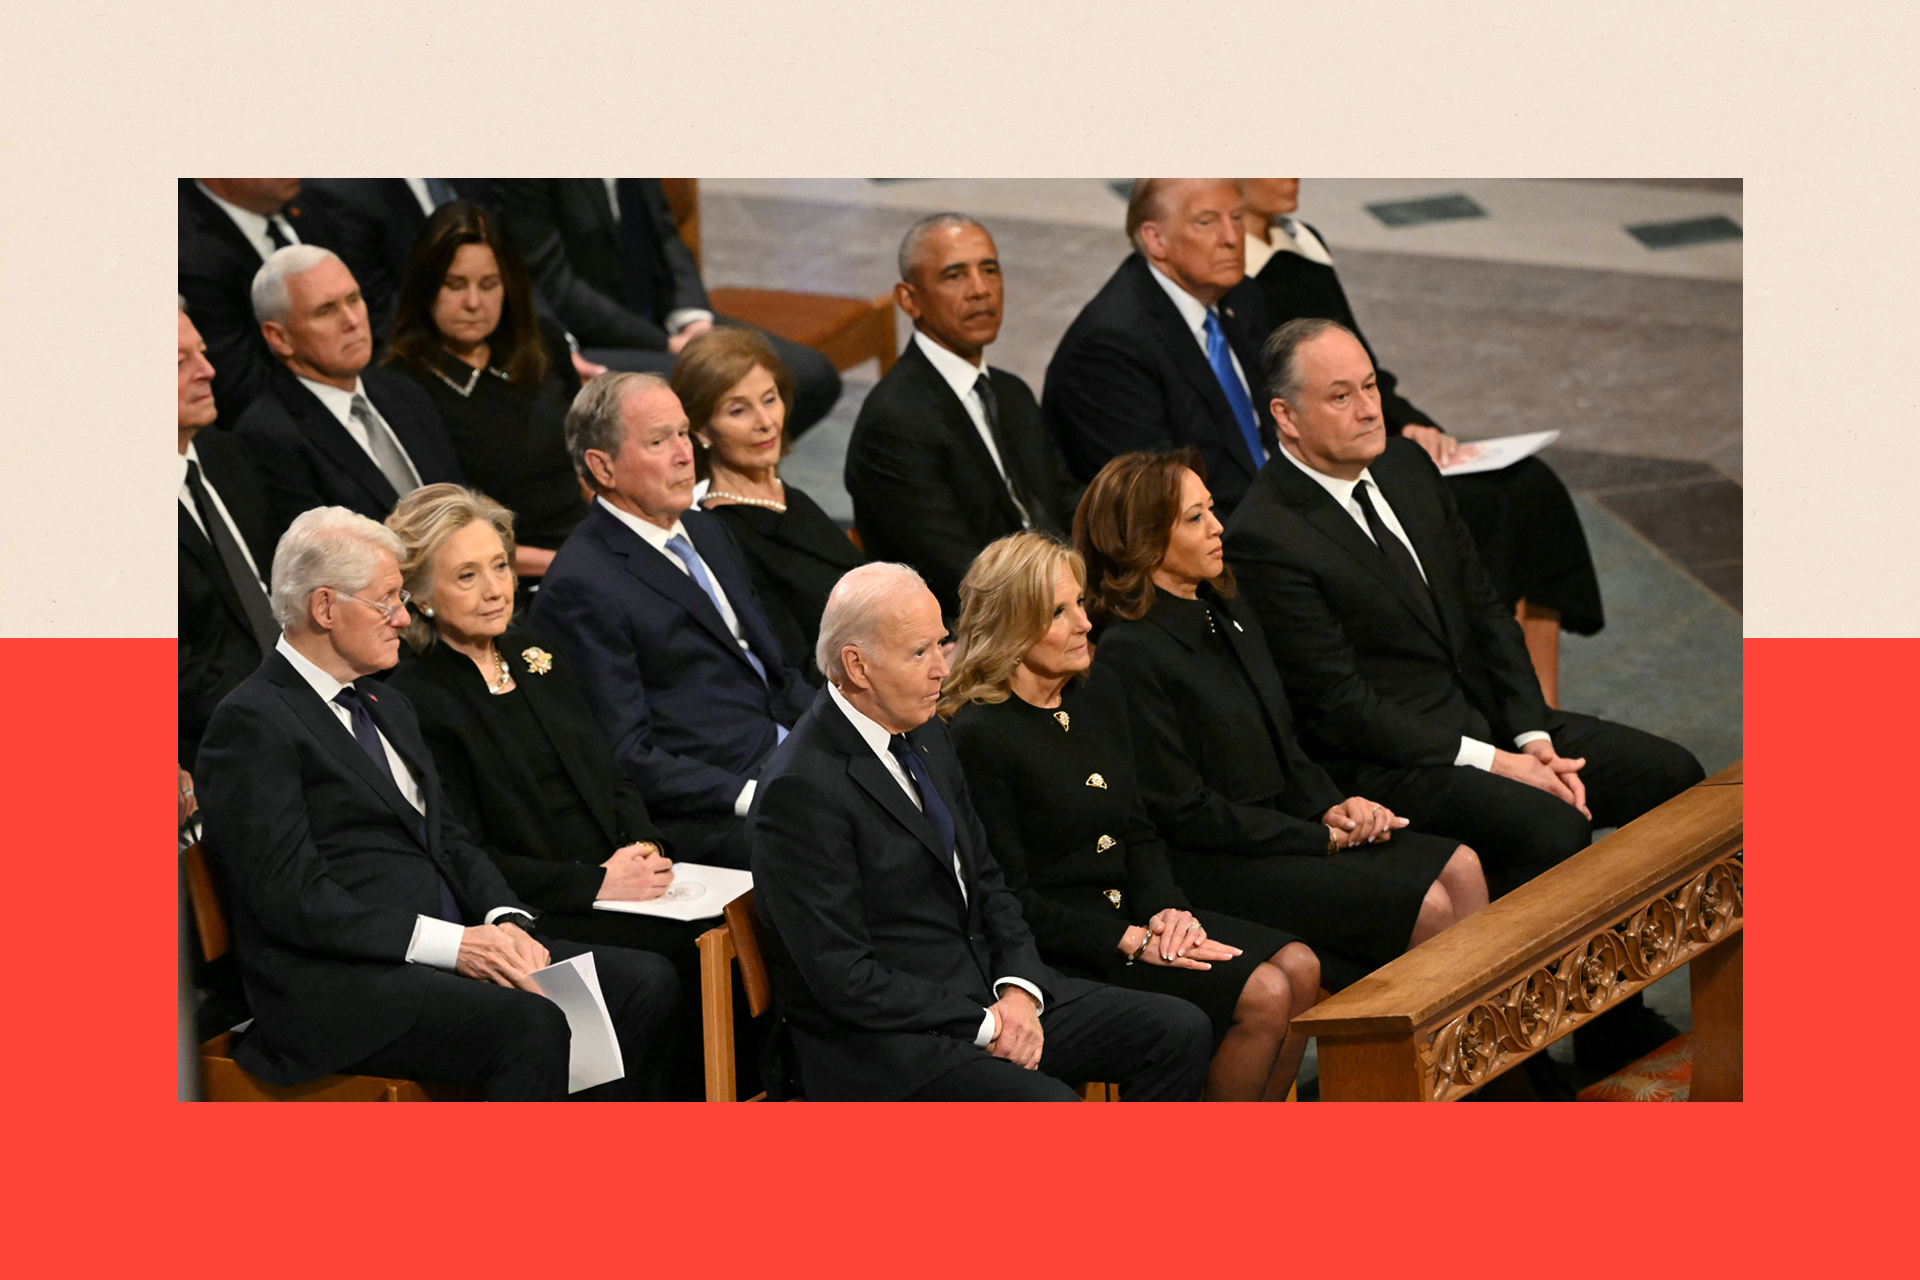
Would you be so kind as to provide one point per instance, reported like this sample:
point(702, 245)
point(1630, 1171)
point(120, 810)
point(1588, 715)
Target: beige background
point(103, 110)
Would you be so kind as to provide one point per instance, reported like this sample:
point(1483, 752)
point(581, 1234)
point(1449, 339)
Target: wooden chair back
point(744, 925)
point(683, 198)
point(209, 917)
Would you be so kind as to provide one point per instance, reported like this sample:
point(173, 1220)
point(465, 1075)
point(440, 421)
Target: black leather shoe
point(1622, 1034)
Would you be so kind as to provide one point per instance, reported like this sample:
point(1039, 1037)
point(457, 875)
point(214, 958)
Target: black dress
point(1056, 790)
point(1522, 516)
point(533, 779)
point(1224, 777)
point(795, 557)
point(512, 439)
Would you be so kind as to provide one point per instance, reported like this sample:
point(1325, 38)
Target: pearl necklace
point(500, 668)
point(752, 502)
point(472, 379)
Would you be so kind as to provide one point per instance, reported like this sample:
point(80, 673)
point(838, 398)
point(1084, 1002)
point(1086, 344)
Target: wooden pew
point(1505, 983)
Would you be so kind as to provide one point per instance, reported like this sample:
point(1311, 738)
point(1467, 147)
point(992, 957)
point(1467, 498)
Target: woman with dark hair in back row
point(1256, 827)
point(502, 378)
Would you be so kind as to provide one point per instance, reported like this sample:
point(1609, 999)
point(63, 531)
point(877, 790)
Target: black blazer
point(883, 969)
point(327, 867)
point(1371, 674)
point(490, 787)
point(795, 557)
point(217, 266)
point(376, 220)
point(566, 230)
point(1218, 775)
point(217, 647)
point(1129, 374)
point(309, 460)
point(925, 490)
point(689, 720)
point(1297, 288)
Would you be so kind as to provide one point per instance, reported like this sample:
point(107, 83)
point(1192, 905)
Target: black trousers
point(1531, 541)
point(513, 1044)
point(816, 383)
point(1156, 1047)
point(1520, 831)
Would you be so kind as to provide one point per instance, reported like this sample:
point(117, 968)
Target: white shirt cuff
point(1537, 735)
point(1039, 1001)
point(435, 942)
point(744, 801)
point(497, 912)
point(984, 1037)
point(1475, 753)
point(678, 320)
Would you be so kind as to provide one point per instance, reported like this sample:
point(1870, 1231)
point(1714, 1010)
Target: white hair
point(855, 611)
point(326, 547)
point(270, 281)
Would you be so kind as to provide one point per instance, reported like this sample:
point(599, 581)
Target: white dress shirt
point(1286, 235)
point(1194, 312)
point(435, 941)
point(657, 538)
point(963, 375)
point(252, 225)
point(186, 500)
point(340, 404)
point(680, 317)
point(877, 737)
point(1472, 751)
point(419, 188)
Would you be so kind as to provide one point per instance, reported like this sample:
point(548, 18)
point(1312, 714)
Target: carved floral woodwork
point(1607, 966)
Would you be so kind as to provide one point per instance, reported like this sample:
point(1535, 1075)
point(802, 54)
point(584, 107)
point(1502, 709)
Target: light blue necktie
point(1222, 361)
point(679, 545)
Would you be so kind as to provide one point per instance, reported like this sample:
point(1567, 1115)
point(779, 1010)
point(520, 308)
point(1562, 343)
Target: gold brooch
point(1066, 721)
point(1095, 780)
point(539, 661)
point(1103, 844)
point(1113, 896)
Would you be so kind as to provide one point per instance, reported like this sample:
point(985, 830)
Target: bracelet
point(1142, 948)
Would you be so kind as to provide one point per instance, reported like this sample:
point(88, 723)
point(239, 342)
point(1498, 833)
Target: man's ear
point(600, 466)
point(1152, 243)
point(904, 298)
point(276, 336)
point(854, 663)
point(320, 607)
point(1283, 419)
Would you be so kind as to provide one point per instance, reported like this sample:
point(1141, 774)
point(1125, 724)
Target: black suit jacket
point(217, 646)
point(1129, 374)
point(327, 867)
point(1373, 677)
point(566, 230)
point(376, 222)
point(884, 970)
point(1297, 288)
point(217, 266)
point(925, 490)
point(1205, 788)
point(309, 460)
point(490, 785)
point(690, 721)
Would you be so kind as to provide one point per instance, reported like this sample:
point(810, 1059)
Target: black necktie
point(930, 802)
point(246, 583)
point(275, 234)
point(368, 737)
point(1395, 551)
point(990, 404)
point(645, 283)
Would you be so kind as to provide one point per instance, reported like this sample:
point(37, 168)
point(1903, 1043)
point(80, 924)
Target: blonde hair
point(423, 521)
point(1006, 606)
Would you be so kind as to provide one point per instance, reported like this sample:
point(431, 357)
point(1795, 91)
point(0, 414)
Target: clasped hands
point(1175, 940)
point(1358, 820)
point(1538, 765)
point(502, 954)
point(636, 873)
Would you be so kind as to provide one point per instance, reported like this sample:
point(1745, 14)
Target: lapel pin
point(1066, 721)
point(1105, 843)
point(1095, 780)
point(539, 661)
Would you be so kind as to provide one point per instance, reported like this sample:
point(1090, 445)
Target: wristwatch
point(518, 918)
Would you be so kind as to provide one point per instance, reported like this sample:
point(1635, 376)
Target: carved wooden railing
point(1505, 983)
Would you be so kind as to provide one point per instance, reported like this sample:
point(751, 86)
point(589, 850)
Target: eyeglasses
point(386, 611)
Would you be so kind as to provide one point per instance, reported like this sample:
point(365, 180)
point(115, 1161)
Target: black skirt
point(1355, 908)
point(1216, 990)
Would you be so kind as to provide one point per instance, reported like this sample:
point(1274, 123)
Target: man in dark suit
point(902, 962)
point(226, 623)
point(330, 431)
point(376, 221)
point(654, 604)
point(606, 255)
point(1167, 353)
point(1408, 674)
point(373, 937)
point(947, 454)
point(228, 227)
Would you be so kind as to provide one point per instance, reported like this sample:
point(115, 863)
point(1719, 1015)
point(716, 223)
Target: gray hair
point(1279, 358)
point(270, 281)
point(914, 241)
point(326, 547)
point(183, 304)
point(594, 420)
point(854, 613)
